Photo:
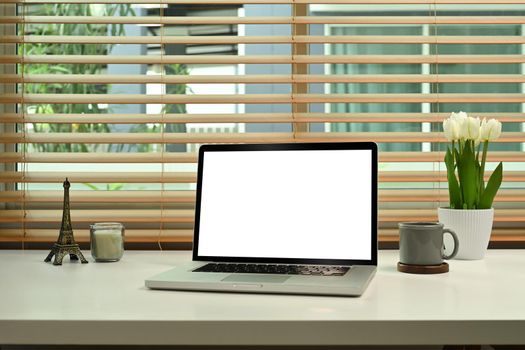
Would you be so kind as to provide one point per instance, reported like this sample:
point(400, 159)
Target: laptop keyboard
point(321, 270)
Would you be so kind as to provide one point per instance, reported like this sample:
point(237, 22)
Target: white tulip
point(471, 128)
point(451, 129)
point(490, 130)
point(460, 119)
point(454, 126)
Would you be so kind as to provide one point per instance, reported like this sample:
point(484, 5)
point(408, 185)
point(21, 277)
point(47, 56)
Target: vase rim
point(448, 208)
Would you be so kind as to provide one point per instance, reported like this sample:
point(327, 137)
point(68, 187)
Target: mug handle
point(456, 244)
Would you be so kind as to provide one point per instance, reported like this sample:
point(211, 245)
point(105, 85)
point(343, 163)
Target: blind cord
point(433, 12)
point(162, 121)
point(24, 145)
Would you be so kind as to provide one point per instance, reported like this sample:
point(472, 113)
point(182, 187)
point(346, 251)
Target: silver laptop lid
point(304, 203)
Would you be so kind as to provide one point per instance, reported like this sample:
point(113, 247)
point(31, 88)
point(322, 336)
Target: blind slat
point(145, 138)
point(83, 177)
point(268, 59)
point(179, 157)
point(188, 177)
point(207, 2)
point(260, 79)
point(310, 117)
point(138, 196)
point(82, 235)
point(272, 39)
point(178, 20)
point(187, 216)
point(180, 235)
point(162, 138)
point(114, 157)
point(500, 235)
point(143, 98)
point(264, 98)
point(180, 196)
point(132, 118)
point(97, 215)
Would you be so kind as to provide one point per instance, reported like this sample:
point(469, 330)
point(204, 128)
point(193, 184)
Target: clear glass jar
point(107, 241)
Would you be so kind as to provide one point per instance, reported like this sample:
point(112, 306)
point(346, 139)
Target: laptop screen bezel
point(371, 146)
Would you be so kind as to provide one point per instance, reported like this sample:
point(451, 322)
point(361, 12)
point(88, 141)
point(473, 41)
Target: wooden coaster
point(422, 269)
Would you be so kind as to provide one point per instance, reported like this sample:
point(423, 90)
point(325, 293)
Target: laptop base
point(183, 278)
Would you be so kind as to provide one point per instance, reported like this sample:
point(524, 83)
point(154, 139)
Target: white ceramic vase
point(473, 228)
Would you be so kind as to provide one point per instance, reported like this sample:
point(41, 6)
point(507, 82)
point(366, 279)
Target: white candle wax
point(107, 244)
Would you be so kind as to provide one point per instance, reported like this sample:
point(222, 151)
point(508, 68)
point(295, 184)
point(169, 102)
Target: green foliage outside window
point(82, 29)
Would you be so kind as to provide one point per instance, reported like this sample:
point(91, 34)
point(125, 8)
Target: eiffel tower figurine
point(65, 243)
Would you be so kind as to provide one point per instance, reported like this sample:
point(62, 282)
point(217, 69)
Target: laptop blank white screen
point(301, 204)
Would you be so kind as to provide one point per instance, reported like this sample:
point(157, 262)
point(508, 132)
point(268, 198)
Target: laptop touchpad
point(255, 278)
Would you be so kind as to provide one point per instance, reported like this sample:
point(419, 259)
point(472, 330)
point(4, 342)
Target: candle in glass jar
point(107, 241)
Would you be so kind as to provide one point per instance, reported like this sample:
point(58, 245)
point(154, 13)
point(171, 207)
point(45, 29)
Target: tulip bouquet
point(470, 137)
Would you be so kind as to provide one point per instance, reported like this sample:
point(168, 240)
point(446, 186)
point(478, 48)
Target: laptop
point(295, 218)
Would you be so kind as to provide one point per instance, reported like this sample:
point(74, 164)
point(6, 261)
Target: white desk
point(478, 302)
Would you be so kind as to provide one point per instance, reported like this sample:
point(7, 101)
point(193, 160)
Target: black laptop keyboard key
point(275, 269)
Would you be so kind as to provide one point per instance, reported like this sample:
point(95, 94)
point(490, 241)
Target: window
point(118, 95)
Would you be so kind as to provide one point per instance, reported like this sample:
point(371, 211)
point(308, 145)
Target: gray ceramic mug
point(421, 243)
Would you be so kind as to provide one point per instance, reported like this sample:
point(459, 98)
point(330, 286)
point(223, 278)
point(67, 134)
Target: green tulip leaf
point(487, 197)
point(456, 155)
point(479, 182)
point(468, 175)
point(453, 186)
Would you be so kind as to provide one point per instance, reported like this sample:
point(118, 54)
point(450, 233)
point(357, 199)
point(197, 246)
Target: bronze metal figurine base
point(61, 250)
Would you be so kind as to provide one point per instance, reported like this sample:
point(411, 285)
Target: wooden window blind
point(117, 95)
